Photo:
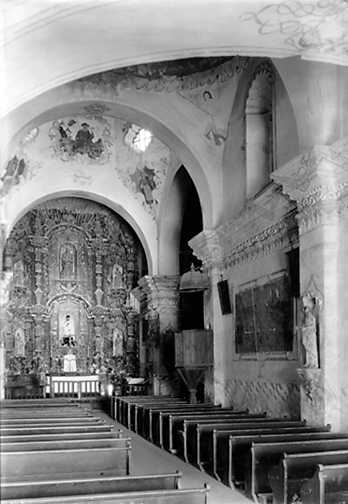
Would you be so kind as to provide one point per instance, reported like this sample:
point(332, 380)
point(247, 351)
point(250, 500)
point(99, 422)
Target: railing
point(73, 386)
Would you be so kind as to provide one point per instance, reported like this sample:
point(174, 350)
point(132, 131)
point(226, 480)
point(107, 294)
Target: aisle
point(148, 458)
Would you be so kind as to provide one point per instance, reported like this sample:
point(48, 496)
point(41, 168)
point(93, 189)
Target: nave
point(57, 451)
point(270, 460)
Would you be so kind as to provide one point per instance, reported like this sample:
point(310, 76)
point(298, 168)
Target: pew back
point(102, 485)
point(181, 496)
point(65, 464)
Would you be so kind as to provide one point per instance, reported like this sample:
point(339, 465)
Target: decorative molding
point(317, 29)
point(318, 182)
point(266, 224)
point(160, 299)
point(130, 78)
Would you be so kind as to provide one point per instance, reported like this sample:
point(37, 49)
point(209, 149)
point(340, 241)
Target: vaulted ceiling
point(46, 43)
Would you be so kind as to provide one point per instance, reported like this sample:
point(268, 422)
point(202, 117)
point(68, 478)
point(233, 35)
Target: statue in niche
point(68, 332)
point(117, 342)
point(67, 261)
point(69, 363)
point(19, 342)
point(309, 331)
point(18, 274)
point(116, 277)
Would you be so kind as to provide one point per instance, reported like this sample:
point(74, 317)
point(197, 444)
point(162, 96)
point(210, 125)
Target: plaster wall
point(314, 92)
point(262, 382)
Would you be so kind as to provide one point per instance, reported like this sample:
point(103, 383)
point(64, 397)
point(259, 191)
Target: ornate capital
point(206, 246)
point(318, 182)
point(160, 291)
point(265, 224)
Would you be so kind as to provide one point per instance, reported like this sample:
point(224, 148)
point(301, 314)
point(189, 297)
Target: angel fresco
point(144, 181)
point(14, 170)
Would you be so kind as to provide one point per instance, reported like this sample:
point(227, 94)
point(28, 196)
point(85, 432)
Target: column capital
point(318, 181)
point(264, 224)
point(159, 289)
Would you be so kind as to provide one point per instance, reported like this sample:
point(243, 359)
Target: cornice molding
point(318, 182)
point(169, 84)
point(266, 224)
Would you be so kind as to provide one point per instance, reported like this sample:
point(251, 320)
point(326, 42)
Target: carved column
point(318, 182)
point(206, 246)
point(160, 307)
point(39, 244)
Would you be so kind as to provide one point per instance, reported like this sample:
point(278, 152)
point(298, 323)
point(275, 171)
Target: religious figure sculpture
point(69, 365)
point(117, 343)
point(309, 332)
point(68, 332)
point(117, 276)
point(18, 274)
point(67, 261)
point(19, 342)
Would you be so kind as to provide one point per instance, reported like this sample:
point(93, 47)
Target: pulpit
point(193, 356)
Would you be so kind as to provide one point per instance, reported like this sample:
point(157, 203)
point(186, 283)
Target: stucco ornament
point(312, 27)
point(309, 331)
point(318, 181)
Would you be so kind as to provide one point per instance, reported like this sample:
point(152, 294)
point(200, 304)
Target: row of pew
point(55, 451)
point(272, 460)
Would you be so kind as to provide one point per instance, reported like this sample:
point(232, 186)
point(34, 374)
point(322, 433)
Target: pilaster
point(159, 301)
point(318, 182)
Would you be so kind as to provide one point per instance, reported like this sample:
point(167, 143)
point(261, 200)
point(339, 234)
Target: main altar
point(70, 319)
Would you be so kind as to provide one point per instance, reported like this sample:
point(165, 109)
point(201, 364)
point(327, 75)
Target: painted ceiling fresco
point(88, 146)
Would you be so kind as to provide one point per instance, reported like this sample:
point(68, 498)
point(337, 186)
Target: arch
point(180, 192)
point(285, 132)
point(259, 128)
point(69, 101)
point(229, 28)
point(149, 249)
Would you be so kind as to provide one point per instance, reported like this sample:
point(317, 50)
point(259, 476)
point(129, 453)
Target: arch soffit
point(194, 164)
point(149, 254)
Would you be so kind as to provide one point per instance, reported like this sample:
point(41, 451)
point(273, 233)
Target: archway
point(74, 265)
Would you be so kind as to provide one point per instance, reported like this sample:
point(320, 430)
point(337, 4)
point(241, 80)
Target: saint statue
point(117, 276)
point(117, 342)
point(309, 332)
point(19, 342)
point(67, 261)
point(68, 332)
point(69, 365)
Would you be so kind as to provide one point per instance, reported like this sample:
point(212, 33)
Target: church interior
point(173, 213)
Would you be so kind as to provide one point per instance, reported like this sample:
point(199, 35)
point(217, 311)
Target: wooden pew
point(180, 496)
point(65, 444)
point(122, 402)
point(65, 464)
point(133, 408)
point(141, 414)
point(33, 422)
point(152, 417)
point(190, 432)
point(287, 478)
point(195, 434)
point(222, 444)
point(102, 485)
point(112, 432)
point(169, 423)
point(24, 431)
point(51, 413)
point(328, 485)
point(175, 422)
point(37, 403)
